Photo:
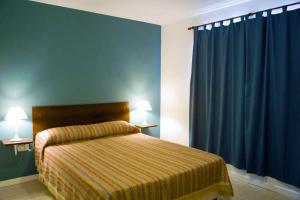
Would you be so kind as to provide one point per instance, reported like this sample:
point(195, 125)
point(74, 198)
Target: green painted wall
point(51, 55)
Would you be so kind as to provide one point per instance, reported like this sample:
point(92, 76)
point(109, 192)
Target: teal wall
point(51, 55)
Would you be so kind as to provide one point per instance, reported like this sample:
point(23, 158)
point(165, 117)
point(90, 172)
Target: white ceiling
point(152, 11)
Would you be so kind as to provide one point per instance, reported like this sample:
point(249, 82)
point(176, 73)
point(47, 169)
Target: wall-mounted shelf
point(23, 145)
point(141, 126)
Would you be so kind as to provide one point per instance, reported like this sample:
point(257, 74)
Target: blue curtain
point(245, 94)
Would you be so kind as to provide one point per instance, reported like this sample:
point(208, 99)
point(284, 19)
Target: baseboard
point(269, 183)
point(18, 180)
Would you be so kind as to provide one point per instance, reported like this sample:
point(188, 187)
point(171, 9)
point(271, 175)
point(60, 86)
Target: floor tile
point(34, 190)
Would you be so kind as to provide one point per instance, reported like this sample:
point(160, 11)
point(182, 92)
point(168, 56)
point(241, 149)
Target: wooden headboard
point(45, 117)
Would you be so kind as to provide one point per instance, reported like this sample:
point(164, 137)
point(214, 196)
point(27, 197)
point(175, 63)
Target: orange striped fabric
point(134, 166)
point(80, 132)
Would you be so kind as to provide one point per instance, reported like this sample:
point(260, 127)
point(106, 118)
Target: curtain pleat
point(245, 94)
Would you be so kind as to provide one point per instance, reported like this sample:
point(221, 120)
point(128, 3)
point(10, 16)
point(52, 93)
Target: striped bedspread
point(131, 166)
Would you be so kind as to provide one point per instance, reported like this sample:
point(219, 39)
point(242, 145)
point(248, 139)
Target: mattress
point(124, 165)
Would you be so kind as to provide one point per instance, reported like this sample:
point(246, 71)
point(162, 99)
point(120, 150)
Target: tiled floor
point(34, 190)
point(244, 191)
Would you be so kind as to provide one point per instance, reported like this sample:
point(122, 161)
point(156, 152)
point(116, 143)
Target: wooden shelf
point(145, 125)
point(24, 141)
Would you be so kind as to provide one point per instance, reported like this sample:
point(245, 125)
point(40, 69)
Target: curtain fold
point(256, 85)
point(245, 94)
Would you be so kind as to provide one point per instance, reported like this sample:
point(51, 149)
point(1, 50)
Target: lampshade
point(16, 113)
point(143, 105)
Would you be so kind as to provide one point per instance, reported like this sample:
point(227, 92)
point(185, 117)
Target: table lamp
point(143, 107)
point(16, 114)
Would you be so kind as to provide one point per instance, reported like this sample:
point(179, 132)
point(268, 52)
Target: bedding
point(113, 161)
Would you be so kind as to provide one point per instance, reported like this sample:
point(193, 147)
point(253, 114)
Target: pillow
point(80, 132)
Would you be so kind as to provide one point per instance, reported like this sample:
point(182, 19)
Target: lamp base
point(144, 124)
point(16, 139)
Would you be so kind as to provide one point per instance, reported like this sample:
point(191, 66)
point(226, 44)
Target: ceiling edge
point(218, 6)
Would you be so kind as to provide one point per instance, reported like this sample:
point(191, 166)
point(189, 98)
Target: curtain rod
point(192, 27)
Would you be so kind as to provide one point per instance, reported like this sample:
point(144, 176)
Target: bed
point(92, 152)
